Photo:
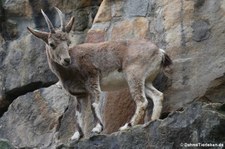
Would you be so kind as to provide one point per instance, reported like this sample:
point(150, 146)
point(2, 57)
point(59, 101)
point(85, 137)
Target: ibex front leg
point(94, 92)
point(79, 122)
point(157, 98)
point(136, 82)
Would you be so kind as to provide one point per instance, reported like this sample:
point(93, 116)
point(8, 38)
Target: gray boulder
point(34, 120)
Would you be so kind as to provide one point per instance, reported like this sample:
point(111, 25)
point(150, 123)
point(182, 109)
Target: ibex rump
point(94, 67)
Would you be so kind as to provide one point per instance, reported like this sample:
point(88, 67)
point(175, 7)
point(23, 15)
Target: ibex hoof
point(97, 129)
point(58, 84)
point(93, 134)
point(125, 127)
point(76, 136)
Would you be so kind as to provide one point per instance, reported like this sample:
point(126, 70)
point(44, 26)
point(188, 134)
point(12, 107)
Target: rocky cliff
point(37, 114)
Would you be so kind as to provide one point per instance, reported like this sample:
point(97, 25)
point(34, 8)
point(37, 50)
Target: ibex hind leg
point(136, 87)
point(157, 98)
point(94, 91)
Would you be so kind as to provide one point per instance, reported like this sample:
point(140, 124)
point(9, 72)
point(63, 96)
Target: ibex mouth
point(66, 62)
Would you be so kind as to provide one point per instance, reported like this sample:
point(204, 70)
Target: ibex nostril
point(67, 60)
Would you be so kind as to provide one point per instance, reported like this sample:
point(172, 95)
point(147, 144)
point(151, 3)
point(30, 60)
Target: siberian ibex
point(90, 68)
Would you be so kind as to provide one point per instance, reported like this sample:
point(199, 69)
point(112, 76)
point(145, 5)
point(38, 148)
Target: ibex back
point(94, 67)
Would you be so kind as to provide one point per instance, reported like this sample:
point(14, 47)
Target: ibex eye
point(52, 45)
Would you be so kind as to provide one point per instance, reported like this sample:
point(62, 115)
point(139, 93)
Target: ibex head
point(57, 40)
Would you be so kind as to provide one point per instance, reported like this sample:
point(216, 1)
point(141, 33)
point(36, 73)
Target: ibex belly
point(113, 81)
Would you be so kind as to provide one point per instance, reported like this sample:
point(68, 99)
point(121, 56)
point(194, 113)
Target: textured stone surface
point(23, 62)
point(104, 12)
point(196, 64)
point(23, 68)
point(95, 36)
point(33, 120)
point(17, 8)
point(5, 144)
point(198, 123)
point(200, 30)
point(215, 91)
point(136, 8)
point(116, 116)
point(191, 32)
point(130, 29)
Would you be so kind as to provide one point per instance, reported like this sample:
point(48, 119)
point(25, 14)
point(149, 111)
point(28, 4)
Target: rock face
point(191, 32)
point(23, 62)
point(35, 118)
point(205, 125)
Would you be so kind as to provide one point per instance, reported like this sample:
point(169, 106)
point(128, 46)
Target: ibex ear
point(69, 25)
point(39, 34)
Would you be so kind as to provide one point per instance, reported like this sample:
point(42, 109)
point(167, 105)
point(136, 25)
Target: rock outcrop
point(198, 124)
point(23, 62)
point(191, 31)
point(36, 119)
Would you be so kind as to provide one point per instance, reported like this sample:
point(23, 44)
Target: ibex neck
point(56, 68)
point(70, 77)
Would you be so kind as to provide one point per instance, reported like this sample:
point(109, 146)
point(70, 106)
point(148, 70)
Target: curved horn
point(50, 26)
point(62, 19)
point(39, 34)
